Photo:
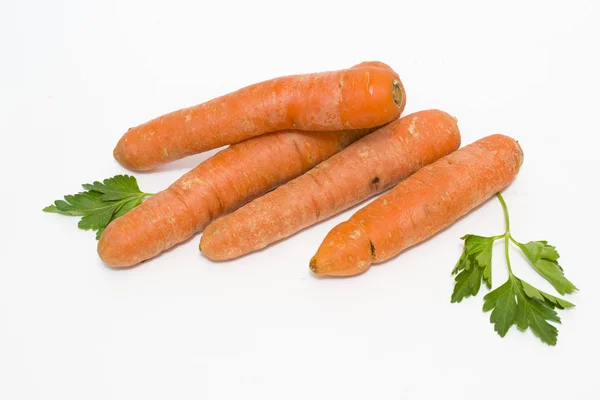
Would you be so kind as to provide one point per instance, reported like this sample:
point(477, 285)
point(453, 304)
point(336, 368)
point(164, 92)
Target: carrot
point(367, 95)
point(424, 204)
point(369, 166)
point(220, 184)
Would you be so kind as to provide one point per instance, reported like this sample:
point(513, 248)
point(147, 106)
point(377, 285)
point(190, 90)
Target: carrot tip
point(313, 266)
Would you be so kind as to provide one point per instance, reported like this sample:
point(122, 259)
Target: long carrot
point(369, 166)
point(220, 184)
point(367, 95)
point(424, 204)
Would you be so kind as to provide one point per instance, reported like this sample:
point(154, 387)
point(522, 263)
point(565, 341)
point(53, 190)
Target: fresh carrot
point(220, 184)
point(421, 206)
point(369, 166)
point(367, 95)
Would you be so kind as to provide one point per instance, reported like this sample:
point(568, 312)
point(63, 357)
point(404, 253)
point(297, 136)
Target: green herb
point(544, 258)
point(474, 265)
point(101, 203)
point(515, 302)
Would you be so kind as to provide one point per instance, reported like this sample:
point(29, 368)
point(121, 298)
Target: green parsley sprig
point(101, 203)
point(515, 302)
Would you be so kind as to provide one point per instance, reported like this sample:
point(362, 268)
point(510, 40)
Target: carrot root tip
point(313, 266)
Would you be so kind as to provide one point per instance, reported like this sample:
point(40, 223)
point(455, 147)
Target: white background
point(74, 75)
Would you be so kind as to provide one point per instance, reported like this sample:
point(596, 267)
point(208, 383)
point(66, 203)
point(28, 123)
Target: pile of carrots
point(304, 148)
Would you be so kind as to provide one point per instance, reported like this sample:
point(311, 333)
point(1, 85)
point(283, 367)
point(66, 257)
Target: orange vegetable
point(367, 95)
point(421, 206)
point(369, 166)
point(217, 186)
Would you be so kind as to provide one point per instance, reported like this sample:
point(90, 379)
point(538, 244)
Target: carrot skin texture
point(367, 167)
point(220, 184)
point(424, 204)
point(364, 96)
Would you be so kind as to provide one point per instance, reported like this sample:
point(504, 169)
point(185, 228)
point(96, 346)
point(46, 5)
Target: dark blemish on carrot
point(372, 249)
point(375, 180)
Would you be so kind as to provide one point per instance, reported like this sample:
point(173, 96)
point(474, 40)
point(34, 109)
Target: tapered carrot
point(364, 96)
point(416, 209)
point(220, 184)
point(369, 166)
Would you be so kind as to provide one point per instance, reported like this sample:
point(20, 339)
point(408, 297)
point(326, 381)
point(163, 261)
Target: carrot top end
point(397, 93)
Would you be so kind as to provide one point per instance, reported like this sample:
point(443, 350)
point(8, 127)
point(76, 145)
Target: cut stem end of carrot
point(398, 93)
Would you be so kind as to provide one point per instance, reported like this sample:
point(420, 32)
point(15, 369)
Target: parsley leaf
point(544, 258)
point(474, 265)
point(101, 203)
point(550, 300)
point(504, 305)
point(116, 188)
point(515, 302)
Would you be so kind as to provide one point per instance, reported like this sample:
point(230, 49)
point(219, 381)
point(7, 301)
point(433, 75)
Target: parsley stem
point(507, 233)
point(512, 239)
point(505, 209)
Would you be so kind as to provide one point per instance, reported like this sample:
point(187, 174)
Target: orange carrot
point(421, 206)
point(369, 166)
point(218, 185)
point(367, 95)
